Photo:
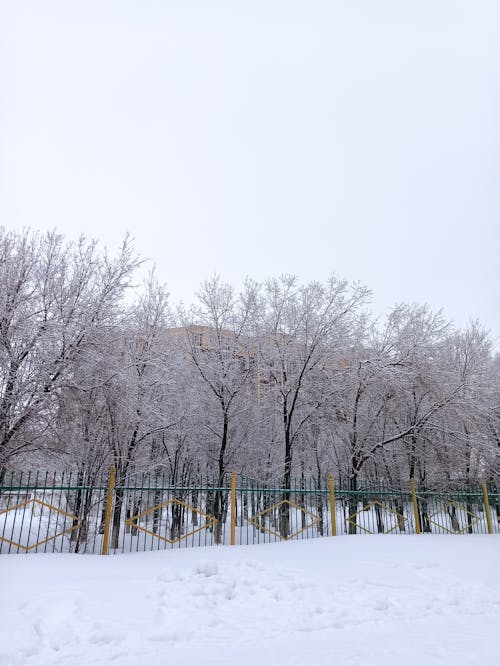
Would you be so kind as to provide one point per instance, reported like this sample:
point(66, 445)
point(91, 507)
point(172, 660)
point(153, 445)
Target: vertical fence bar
point(487, 508)
point(333, 517)
point(109, 506)
point(233, 509)
point(415, 506)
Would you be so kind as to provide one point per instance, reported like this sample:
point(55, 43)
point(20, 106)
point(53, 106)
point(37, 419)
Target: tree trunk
point(319, 508)
point(77, 508)
point(219, 496)
point(452, 512)
point(353, 502)
point(83, 529)
point(117, 511)
point(158, 500)
point(380, 520)
point(399, 507)
point(176, 524)
point(470, 517)
point(194, 514)
point(423, 509)
point(303, 517)
point(287, 479)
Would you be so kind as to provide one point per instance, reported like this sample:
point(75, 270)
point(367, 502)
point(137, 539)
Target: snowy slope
point(367, 601)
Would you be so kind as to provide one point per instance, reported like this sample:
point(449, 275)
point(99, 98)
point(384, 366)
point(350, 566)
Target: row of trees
point(278, 379)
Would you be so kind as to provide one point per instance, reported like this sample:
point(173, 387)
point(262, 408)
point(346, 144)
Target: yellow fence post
point(415, 506)
point(109, 507)
point(233, 509)
point(487, 508)
point(333, 517)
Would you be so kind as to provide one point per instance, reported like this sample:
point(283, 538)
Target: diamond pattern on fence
point(253, 520)
point(457, 507)
point(400, 518)
point(132, 522)
point(75, 519)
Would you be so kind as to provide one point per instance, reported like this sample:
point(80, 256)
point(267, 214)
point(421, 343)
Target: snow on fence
point(66, 512)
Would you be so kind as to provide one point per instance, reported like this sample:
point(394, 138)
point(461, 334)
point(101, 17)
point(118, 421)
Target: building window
point(196, 339)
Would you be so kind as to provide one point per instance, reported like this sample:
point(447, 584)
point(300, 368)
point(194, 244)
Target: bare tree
point(135, 391)
point(302, 330)
point(219, 347)
point(54, 296)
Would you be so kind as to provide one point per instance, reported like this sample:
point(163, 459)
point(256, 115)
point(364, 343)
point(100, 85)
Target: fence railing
point(66, 512)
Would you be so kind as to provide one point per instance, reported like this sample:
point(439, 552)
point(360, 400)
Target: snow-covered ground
point(367, 601)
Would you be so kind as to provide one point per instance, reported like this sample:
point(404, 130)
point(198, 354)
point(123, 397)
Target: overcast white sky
point(262, 137)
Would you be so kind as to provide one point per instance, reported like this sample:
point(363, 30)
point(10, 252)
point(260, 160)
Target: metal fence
point(66, 512)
